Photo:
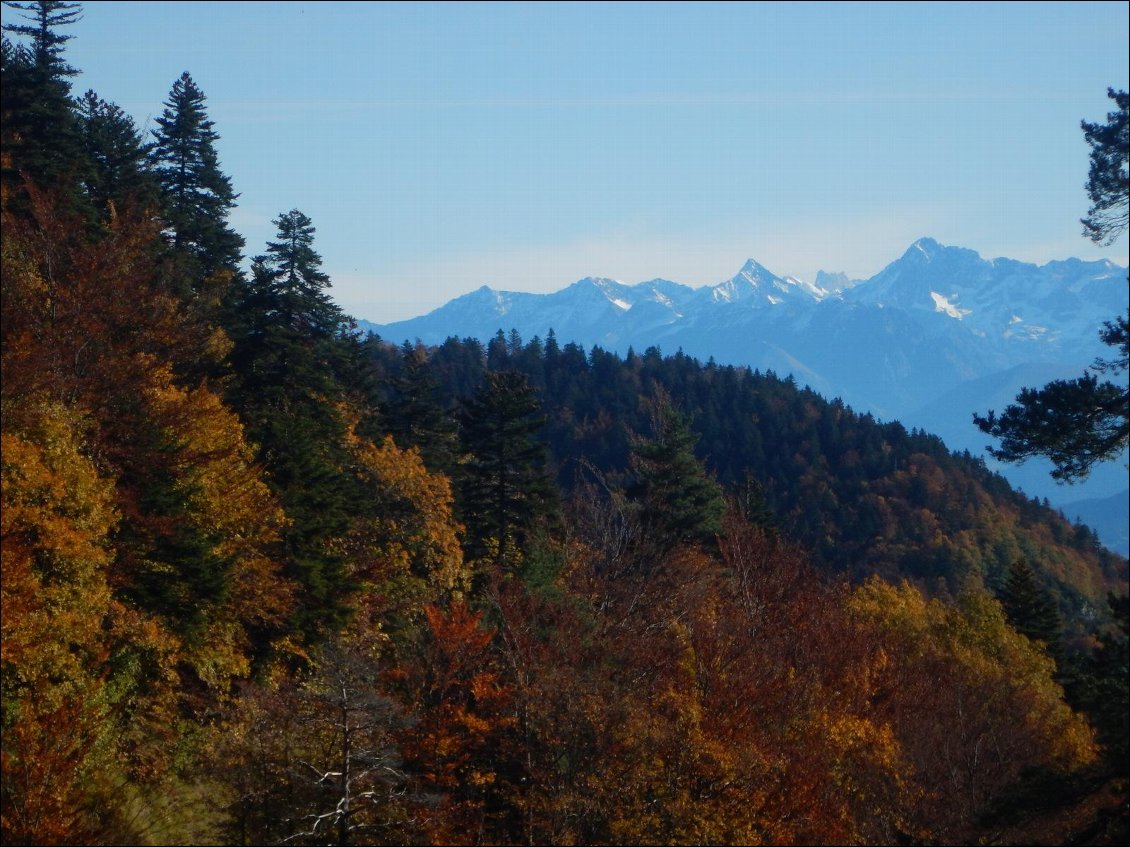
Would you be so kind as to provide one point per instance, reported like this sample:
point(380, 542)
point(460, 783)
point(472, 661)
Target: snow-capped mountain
point(757, 287)
point(938, 334)
point(1003, 299)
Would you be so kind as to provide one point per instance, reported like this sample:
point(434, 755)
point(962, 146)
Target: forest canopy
point(266, 580)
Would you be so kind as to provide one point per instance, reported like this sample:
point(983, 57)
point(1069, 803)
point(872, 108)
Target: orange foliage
point(56, 516)
point(458, 747)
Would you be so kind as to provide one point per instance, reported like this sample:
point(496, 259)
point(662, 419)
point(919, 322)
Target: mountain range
point(938, 334)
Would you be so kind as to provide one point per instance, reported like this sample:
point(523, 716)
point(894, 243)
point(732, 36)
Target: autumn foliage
point(265, 581)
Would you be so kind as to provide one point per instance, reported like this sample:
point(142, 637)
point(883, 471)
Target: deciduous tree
point(57, 516)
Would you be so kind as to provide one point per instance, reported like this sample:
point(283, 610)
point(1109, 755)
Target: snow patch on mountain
point(942, 304)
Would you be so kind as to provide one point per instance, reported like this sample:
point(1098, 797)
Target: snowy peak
point(483, 298)
point(593, 290)
point(754, 272)
point(1007, 310)
point(834, 283)
point(924, 249)
point(926, 269)
point(757, 286)
point(1003, 301)
point(928, 251)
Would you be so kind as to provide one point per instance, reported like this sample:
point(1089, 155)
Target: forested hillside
point(863, 497)
point(267, 581)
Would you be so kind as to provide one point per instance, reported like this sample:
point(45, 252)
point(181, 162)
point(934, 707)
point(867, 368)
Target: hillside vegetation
point(267, 581)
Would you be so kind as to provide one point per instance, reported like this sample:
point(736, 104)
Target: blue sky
point(440, 147)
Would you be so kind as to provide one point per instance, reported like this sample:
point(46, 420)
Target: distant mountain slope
point(1107, 516)
point(937, 335)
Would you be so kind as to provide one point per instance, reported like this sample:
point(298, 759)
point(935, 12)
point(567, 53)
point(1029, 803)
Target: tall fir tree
point(505, 489)
point(1029, 609)
point(292, 352)
point(196, 195)
point(680, 504)
point(414, 416)
point(119, 168)
point(40, 132)
point(1105, 686)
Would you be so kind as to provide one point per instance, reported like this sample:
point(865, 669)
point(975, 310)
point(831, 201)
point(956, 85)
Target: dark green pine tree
point(414, 417)
point(291, 349)
point(196, 195)
point(679, 503)
point(506, 494)
point(1029, 609)
point(1105, 686)
point(119, 169)
point(753, 505)
point(177, 572)
point(40, 132)
point(290, 276)
point(1078, 423)
point(1108, 180)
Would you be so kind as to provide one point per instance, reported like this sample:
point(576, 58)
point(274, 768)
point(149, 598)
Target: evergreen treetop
point(1029, 609)
point(505, 488)
point(39, 128)
point(119, 164)
point(680, 503)
point(197, 195)
point(47, 43)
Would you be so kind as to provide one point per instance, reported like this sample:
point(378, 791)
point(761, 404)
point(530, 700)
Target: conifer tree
point(1105, 686)
point(1080, 422)
point(1108, 181)
point(679, 502)
point(291, 350)
point(1029, 609)
point(414, 416)
point(118, 156)
point(196, 194)
point(291, 338)
point(40, 132)
point(505, 488)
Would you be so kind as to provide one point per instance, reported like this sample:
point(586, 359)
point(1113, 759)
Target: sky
point(439, 147)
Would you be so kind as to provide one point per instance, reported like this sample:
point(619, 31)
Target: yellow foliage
point(406, 552)
point(227, 501)
point(227, 496)
point(57, 513)
point(972, 703)
point(56, 518)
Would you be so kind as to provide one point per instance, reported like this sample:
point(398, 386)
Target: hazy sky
point(440, 147)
